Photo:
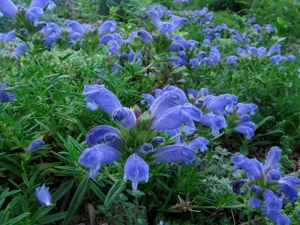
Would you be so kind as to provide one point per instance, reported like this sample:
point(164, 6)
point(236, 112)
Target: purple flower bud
point(194, 63)
point(252, 20)
point(35, 145)
point(273, 175)
point(166, 28)
point(236, 187)
point(43, 195)
point(136, 169)
point(270, 28)
point(114, 47)
point(246, 128)
point(257, 27)
point(145, 148)
point(176, 47)
point(39, 3)
point(255, 189)
point(125, 116)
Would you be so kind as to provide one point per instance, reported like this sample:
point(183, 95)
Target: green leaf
point(40, 213)
point(63, 189)
point(114, 192)
point(97, 191)
point(53, 218)
point(77, 200)
point(17, 219)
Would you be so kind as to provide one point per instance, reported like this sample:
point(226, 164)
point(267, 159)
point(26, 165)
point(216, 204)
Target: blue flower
point(93, 157)
point(43, 195)
point(33, 13)
point(51, 29)
point(98, 95)
point(6, 96)
point(174, 153)
point(107, 26)
point(231, 60)
point(104, 134)
point(136, 169)
point(146, 37)
point(35, 145)
point(8, 8)
point(200, 143)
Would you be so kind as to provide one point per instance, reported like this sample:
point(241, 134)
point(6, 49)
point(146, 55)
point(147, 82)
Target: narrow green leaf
point(52, 218)
point(63, 189)
point(97, 191)
point(40, 213)
point(17, 219)
point(114, 192)
point(77, 200)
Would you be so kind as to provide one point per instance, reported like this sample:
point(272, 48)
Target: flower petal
point(98, 134)
point(43, 195)
point(174, 153)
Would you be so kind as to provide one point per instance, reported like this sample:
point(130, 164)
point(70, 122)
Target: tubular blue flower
point(114, 47)
point(289, 190)
point(216, 122)
point(146, 37)
point(200, 55)
point(276, 59)
point(20, 49)
point(100, 96)
point(106, 38)
point(43, 195)
point(136, 169)
point(107, 26)
point(125, 116)
point(48, 42)
point(176, 47)
point(33, 14)
point(8, 8)
point(244, 108)
point(6, 96)
point(74, 26)
point(217, 103)
point(166, 28)
point(200, 143)
point(274, 49)
point(194, 63)
point(270, 28)
point(257, 27)
point(100, 134)
point(167, 100)
point(255, 202)
point(92, 158)
point(174, 153)
point(36, 145)
point(39, 3)
point(273, 158)
point(51, 29)
point(155, 18)
point(246, 128)
point(246, 164)
point(131, 37)
point(231, 60)
point(173, 118)
point(272, 208)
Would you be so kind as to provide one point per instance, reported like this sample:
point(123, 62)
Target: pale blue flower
point(136, 170)
point(43, 195)
point(36, 145)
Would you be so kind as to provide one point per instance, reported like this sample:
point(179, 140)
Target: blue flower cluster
point(267, 184)
point(137, 141)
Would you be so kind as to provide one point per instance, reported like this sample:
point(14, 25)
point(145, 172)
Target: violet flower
point(36, 145)
point(8, 8)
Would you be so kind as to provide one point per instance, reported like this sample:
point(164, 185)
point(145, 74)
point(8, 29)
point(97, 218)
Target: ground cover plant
point(149, 115)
